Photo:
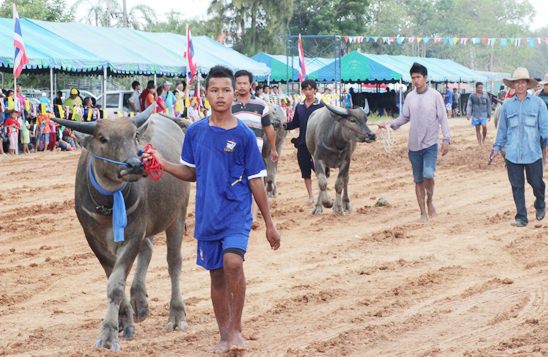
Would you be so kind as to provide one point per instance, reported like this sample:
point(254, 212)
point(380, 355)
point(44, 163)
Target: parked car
point(117, 102)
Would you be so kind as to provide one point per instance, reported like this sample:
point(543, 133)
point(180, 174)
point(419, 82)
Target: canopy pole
point(104, 92)
point(51, 88)
point(400, 95)
point(155, 80)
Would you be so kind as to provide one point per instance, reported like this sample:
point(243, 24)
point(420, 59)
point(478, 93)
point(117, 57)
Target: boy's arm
point(181, 171)
point(257, 188)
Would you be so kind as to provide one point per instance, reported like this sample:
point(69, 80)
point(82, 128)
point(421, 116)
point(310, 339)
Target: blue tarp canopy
point(439, 70)
point(283, 67)
point(74, 47)
point(207, 52)
point(46, 50)
point(356, 67)
point(124, 50)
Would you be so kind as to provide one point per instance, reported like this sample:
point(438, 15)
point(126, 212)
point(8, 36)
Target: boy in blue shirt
point(220, 153)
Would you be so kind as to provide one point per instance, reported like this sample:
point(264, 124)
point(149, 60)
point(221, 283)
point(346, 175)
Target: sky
point(198, 9)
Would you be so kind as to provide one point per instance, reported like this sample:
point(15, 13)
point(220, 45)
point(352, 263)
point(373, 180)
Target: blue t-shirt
point(348, 100)
point(225, 161)
point(169, 98)
point(448, 97)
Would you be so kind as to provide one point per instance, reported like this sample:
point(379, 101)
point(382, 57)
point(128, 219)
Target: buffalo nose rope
point(152, 167)
point(386, 137)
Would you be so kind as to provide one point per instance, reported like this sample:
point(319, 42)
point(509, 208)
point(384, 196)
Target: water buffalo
point(331, 137)
point(279, 119)
point(150, 208)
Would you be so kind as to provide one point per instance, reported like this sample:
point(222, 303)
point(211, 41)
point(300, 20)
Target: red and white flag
point(191, 66)
point(20, 58)
point(302, 64)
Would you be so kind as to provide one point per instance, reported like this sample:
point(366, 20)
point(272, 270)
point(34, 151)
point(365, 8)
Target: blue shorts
point(210, 253)
point(479, 121)
point(423, 163)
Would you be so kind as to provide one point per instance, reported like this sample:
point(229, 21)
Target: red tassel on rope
point(152, 167)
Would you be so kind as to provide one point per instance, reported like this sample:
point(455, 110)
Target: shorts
point(306, 164)
point(479, 121)
point(14, 139)
point(423, 163)
point(448, 106)
point(210, 253)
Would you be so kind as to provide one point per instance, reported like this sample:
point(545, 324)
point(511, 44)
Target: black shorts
point(305, 162)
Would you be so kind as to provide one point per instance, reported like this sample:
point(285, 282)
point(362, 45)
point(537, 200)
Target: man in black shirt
point(300, 120)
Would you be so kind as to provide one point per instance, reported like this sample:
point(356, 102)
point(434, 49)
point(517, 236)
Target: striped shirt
point(255, 114)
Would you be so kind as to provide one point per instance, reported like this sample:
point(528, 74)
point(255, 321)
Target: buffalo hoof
point(115, 346)
point(317, 210)
point(337, 209)
point(347, 207)
point(176, 318)
point(172, 326)
point(140, 308)
point(129, 332)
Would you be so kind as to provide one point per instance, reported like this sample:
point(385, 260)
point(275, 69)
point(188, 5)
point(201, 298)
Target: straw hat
point(520, 73)
point(545, 81)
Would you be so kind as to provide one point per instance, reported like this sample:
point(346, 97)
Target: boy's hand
point(146, 156)
point(273, 237)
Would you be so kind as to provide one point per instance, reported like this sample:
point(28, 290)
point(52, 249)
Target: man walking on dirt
point(479, 110)
point(523, 123)
point(425, 110)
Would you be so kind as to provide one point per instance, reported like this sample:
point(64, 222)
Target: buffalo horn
point(337, 110)
point(80, 126)
point(142, 117)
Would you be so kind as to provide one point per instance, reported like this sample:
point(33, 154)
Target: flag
point(20, 58)
point(189, 55)
point(302, 65)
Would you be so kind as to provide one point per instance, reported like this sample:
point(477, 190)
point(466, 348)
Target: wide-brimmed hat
point(545, 80)
point(520, 73)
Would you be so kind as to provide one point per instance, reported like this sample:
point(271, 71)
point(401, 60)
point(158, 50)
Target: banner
point(451, 41)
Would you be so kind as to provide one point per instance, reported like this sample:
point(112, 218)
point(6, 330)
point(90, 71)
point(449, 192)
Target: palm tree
point(108, 13)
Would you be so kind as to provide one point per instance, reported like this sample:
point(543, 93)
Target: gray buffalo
point(109, 164)
point(279, 119)
point(331, 137)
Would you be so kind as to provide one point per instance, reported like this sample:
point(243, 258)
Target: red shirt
point(12, 124)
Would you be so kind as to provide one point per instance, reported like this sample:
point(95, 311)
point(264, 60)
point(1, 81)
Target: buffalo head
point(113, 139)
point(353, 122)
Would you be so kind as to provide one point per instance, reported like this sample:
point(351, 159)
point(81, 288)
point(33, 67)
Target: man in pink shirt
point(424, 109)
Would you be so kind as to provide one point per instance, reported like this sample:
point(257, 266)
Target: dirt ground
point(371, 283)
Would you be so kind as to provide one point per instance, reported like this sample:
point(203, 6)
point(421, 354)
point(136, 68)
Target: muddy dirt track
point(370, 283)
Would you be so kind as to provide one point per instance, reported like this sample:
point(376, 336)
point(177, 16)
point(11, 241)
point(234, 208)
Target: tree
point(254, 25)
point(454, 18)
point(47, 10)
point(176, 23)
point(109, 13)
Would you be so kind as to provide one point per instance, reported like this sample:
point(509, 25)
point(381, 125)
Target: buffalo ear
point(144, 133)
point(83, 139)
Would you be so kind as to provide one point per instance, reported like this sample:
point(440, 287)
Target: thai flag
point(20, 58)
point(189, 55)
point(302, 65)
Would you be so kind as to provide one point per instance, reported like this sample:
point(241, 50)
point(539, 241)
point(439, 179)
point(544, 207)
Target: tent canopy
point(74, 47)
point(283, 66)
point(356, 67)
point(124, 50)
point(207, 52)
point(46, 50)
point(439, 70)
